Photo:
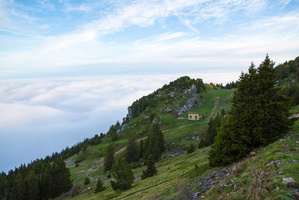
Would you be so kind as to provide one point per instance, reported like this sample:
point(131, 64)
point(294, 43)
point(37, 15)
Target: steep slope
point(178, 133)
point(188, 176)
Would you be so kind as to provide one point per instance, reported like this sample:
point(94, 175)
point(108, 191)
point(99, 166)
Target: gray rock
point(296, 193)
point(277, 188)
point(290, 182)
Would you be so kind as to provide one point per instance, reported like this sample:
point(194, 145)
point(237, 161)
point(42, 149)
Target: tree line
point(36, 181)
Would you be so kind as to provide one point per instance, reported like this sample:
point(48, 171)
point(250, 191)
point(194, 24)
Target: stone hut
point(194, 116)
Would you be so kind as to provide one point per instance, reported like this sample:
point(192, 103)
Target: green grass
point(173, 172)
point(176, 174)
point(269, 176)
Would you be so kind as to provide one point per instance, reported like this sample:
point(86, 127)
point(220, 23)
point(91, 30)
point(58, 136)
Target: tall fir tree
point(109, 158)
point(123, 175)
point(32, 186)
point(55, 180)
point(132, 151)
point(141, 149)
point(61, 177)
point(100, 186)
point(19, 191)
point(155, 144)
point(258, 116)
point(151, 168)
point(3, 185)
point(213, 125)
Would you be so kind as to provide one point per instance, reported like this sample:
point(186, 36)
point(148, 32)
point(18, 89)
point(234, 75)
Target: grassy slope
point(177, 134)
point(259, 178)
point(176, 175)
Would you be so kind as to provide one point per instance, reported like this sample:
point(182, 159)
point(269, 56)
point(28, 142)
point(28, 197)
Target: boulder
point(290, 182)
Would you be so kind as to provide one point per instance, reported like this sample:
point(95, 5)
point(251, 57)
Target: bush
point(100, 186)
point(86, 181)
point(191, 148)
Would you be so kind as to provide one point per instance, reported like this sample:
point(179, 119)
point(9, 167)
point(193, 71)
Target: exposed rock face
point(190, 103)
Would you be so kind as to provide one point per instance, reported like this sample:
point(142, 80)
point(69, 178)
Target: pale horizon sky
point(69, 69)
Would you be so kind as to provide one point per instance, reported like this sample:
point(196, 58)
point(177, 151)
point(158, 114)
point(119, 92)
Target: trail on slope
point(99, 163)
point(212, 113)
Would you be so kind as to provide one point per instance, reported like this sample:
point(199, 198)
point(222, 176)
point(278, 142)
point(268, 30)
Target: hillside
point(181, 173)
point(179, 133)
point(188, 176)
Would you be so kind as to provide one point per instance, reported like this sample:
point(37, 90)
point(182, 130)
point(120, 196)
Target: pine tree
point(86, 181)
point(100, 186)
point(191, 148)
point(258, 116)
point(123, 175)
point(132, 154)
point(20, 188)
point(61, 177)
point(3, 185)
point(47, 184)
point(155, 142)
point(141, 149)
point(32, 186)
point(55, 180)
point(151, 168)
point(109, 158)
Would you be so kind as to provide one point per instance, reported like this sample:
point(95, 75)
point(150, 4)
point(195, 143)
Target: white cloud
point(50, 114)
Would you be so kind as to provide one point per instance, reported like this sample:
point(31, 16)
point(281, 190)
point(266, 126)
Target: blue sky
point(50, 38)
point(70, 68)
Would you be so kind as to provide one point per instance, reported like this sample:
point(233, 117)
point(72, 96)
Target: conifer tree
point(191, 148)
point(61, 177)
point(47, 185)
point(141, 149)
point(86, 181)
point(258, 116)
point(100, 186)
point(3, 185)
point(20, 188)
point(55, 180)
point(32, 186)
point(123, 175)
point(132, 153)
point(109, 158)
point(155, 142)
point(151, 168)
point(214, 123)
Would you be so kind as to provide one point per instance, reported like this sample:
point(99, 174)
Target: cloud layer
point(41, 116)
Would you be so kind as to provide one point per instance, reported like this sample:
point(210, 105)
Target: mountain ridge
point(179, 172)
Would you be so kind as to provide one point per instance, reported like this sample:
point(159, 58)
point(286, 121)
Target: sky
point(70, 68)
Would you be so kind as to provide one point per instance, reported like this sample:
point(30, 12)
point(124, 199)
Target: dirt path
point(212, 113)
point(216, 104)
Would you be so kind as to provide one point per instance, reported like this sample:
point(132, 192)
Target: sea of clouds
point(41, 116)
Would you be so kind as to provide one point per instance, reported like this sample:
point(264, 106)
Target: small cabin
point(194, 116)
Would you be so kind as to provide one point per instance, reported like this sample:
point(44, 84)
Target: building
point(194, 116)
